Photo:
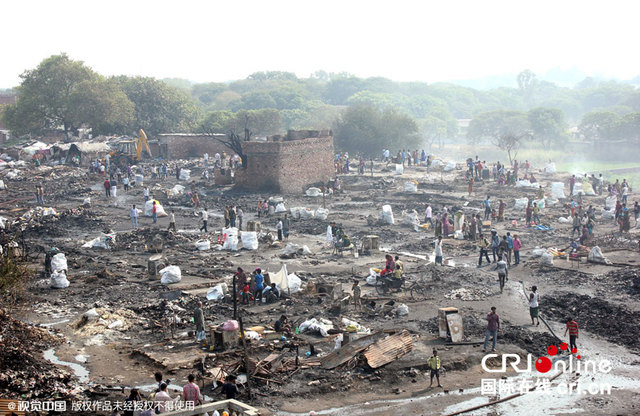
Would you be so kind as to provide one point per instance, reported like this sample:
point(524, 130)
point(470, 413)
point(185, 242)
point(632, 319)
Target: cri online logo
point(544, 364)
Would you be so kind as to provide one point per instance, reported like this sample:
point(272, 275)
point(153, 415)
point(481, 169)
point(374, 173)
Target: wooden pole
point(235, 299)
point(246, 357)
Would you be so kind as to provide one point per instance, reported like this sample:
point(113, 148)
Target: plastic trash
point(411, 187)
point(322, 214)
point(185, 174)
point(92, 314)
point(215, 293)
point(546, 259)
point(403, 310)
point(105, 241)
point(59, 262)
point(116, 324)
point(317, 325)
point(449, 166)
point(251, 335)
point(250, 240)
point(230, 239)
point(2, 185)
point(412, 219)
point(306, 213)
point(170, 274)
point(87, 202)
point(610, 202)
point(521, 203)
point(387, 215)
point(3, 221)
point(176, 190)
point(564, 220)
point(203, 245)
point(59, 280)
point(230, 325)
point(399, 169)
point(294, 283)
point(537, 252)
point(313, 192)
point(280, 207)
point(557, 190)
point(148, 208)
point(596, 256)
point(139, 179)
point(550, 168)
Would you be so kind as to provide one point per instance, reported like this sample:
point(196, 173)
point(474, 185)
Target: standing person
point(154, 212)
point(198, 319)
point(509, 247)
point(285, 227)
point(576, 224)
point(636, 212)
point(428, 215)
point(232, 216)
point(503, 272)
point(279, 227)
point(601, 184)
point(114, 188)
point(205, 218)
point(482, 245)
point(134, 217)
point(39, 199)
point(371, 166)
point(495, 244)
point(517, 244)
point(162, 400)
point(501, 206)
point(146, 193)
point(533, 305)
point(529, 214)
point(226, 217)
point(130, 402)
point(470, 181)
point(107, 188)
point(125, 183)
point(239, 215)
point(258, 280)
point(572, 184)
point(572, 327)
point(241, 278)
point(473, 228)
point(438, 245)
point(230, 389)
point(191, 391)
point(434, 365)
point(493, 326)
point(356, 294)
point(172, 222)
point(536, 213)
point(487, 207)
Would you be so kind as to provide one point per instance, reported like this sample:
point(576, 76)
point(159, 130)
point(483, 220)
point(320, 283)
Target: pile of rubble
point(24, 372)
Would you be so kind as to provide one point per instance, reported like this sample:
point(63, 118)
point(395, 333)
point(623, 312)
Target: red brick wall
point(287, 166)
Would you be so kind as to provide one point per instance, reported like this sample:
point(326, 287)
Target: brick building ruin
point(186, 145)
point(288, 163)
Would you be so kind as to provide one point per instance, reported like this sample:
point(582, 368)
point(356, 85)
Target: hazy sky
point(428, 40)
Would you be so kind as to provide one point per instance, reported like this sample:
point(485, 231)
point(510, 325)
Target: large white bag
point(104, 241)
point(231, 239)
point(387, 215)
point(546, 259)
point(148, 207)
point(449, 166)
point(306, 213)
point(610, 202)
point(557, 190)
point(410, 186)
point(203, 245)
point(250, 240)
point(313, 192)
point(280, 207)
point(550, 168)
point(185, 174)
point(215, 293)
point(59, 262)
point(521, 203)
point(399, 169)
point(59, 280)
point(170, 274)
point(294, 283)
point(322, 214)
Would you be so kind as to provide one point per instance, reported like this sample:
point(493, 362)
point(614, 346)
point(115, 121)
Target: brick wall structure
point(288, 164)
point(187, 145)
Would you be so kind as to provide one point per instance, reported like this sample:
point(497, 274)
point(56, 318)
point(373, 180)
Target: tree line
point(366, 114)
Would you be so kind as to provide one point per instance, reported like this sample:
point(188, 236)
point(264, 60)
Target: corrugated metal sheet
point(389, 349)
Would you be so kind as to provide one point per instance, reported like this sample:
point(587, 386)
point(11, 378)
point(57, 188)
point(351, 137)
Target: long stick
point(246, 357)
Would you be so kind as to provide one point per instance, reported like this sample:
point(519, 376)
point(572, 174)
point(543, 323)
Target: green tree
point(492, 125)
point(45, 96)
point(159, 108)
point(628, 127)
point(366, 129)
point(527, 84)
point(599, 125)
point(548, 125)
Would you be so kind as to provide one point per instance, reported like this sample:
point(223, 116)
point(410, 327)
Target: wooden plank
point(454, 320)
point(389, 349)
point(348, 351)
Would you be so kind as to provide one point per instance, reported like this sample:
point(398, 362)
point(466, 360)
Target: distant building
point(186, 145)
point(288, 164)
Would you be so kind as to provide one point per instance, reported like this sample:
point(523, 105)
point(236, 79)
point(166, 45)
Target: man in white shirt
point(428, 214)
point(134, 217)
point(439, 250)
point(533, 305)
point(164, 403)
point(205, 218)
point(146, 193)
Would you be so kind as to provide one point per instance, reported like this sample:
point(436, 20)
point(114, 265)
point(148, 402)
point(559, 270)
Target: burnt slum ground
point(115, 325)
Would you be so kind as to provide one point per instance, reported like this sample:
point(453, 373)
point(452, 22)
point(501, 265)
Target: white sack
point(608, 214)
point(521, 203)
point(203, 245)
point(596, 256)
point(449, 166)
point(557, 190)
point(564, 220)
point(104, 241)
point(403, 310)
point(550, 168)
point(313, 192)
point(410, 186)
point(59, 280)
point(537, 252)
point(610, 202)
point(306, 214)
point(322, 214)
point(280, 207)
point(185, 174)
point(250, 240)
point(399, 169)
point(546, 259)
point(59, 262)
point(148, 206)
point(215, 293)
point(294, 283)
point(387, 215)
point(316, 325)
point(170, 274)
point(588, 189)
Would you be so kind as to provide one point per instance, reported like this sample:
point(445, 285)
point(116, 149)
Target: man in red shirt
point(572, 327)
point(191, 392)
point(154, 212)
